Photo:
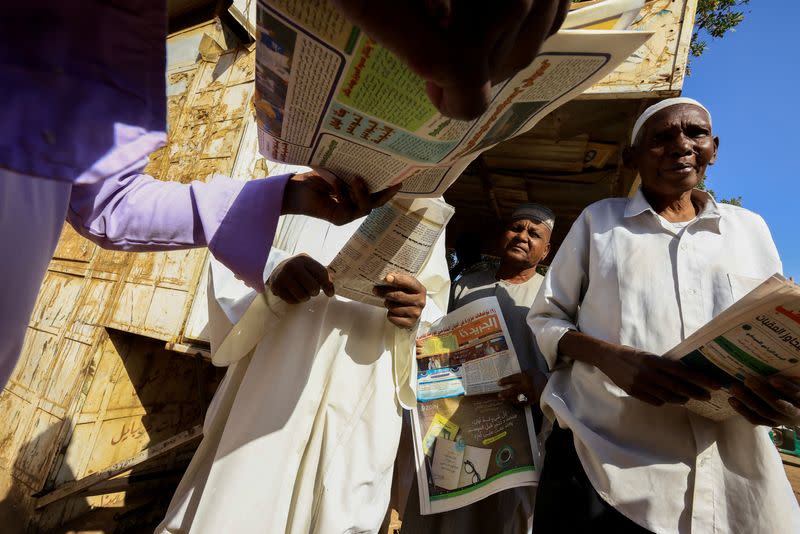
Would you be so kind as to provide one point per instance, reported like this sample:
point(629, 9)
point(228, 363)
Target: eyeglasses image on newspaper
point(469, 442)
point(469, 469)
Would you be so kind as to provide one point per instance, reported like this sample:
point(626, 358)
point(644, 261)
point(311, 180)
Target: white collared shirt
point(625, 276)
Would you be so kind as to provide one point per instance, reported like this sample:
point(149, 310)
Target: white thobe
point(303, 431)
point(626, 276)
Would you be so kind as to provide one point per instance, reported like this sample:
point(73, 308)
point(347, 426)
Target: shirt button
point(683, 246)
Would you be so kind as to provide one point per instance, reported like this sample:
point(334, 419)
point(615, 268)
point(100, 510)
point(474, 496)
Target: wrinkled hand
point(653, 379)
point(405, 298)
point(322, 195)
point(774, 401)
point(299, 278)
point(530, 383)
point(460, 48)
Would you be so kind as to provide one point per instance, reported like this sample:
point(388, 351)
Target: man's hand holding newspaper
point(753, 350)
point(772, 402)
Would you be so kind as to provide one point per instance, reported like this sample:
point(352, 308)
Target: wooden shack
point(105, 407)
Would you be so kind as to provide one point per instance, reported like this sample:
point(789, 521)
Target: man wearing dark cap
point(524, 243)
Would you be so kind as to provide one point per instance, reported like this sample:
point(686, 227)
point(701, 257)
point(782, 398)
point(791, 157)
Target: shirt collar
point(638, 204)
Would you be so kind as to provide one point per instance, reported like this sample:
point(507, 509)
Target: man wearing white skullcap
point(523, 244)
point(633, 278)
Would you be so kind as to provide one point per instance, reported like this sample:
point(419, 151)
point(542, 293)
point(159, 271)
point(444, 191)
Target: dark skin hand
point(460, 48)
point(322, 195)
point(405, 298)
point(772, 401)
point(300, 278)
point(642, 375)
point(530, 383)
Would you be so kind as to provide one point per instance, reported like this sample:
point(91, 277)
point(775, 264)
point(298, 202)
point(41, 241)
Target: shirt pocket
point(742, 285)
point(730, 287)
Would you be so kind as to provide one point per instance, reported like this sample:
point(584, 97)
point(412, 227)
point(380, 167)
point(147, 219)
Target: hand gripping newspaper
point(327, 95)
point(759, 336)
point(468, 443)
point(396, 237)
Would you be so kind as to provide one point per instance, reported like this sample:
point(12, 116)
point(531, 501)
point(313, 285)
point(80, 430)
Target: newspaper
point(759, 335)
point(469, 444)
point(396, 237)
point(327, 95)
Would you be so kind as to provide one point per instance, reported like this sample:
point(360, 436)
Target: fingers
point(379, 198)
point(512, 393)
point(677, 382)
point(300, 278)
point(699, 379)
point(753, 407)
point(655, 394)
point(321, 277)
point(325, 182)
point(509, 380)
point(289, 290)
point(789, 388)
point(776, 397)
point(405, 299)
point(752, 417)
point(403, 317)
point(404, 282)
point(517, 384)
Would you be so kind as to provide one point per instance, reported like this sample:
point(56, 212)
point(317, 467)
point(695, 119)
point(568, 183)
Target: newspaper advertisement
point(396, 237)
point(468, 443)
point(759, 336)
point(327, 95)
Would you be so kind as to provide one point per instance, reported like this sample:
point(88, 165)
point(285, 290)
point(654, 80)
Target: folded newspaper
point(467, 444)
point(327, 95)
point(759, 335)
point(396, 237)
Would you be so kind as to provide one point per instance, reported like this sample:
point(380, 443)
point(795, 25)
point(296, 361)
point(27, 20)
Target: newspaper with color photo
point(327, 95)
point(759, 335)
point(469, 444)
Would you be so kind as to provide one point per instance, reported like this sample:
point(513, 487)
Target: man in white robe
point(303, 431)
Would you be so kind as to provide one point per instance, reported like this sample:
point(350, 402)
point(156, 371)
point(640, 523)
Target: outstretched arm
point(235, 219)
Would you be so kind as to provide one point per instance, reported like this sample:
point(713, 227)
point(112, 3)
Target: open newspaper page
point(759, 335)
point(468, 443)
point(329, 96)
point(396, 237)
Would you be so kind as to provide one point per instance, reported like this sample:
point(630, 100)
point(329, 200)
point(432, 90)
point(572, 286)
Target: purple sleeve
point(137, 213)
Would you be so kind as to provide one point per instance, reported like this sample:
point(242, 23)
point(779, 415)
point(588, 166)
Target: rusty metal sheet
point(658, 67)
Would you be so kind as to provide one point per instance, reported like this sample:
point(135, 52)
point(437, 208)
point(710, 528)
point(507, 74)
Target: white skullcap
point(535, 212)
point(655, 108)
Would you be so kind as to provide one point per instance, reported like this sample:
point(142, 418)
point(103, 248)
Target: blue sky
point(749, 81)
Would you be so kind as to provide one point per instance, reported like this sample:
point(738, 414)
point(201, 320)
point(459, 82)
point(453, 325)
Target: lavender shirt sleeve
point(135, 212)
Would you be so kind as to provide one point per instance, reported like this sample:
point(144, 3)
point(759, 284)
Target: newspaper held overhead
point(396, 237)
point(327, 95)
point(467, 444)
point(759, 336)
